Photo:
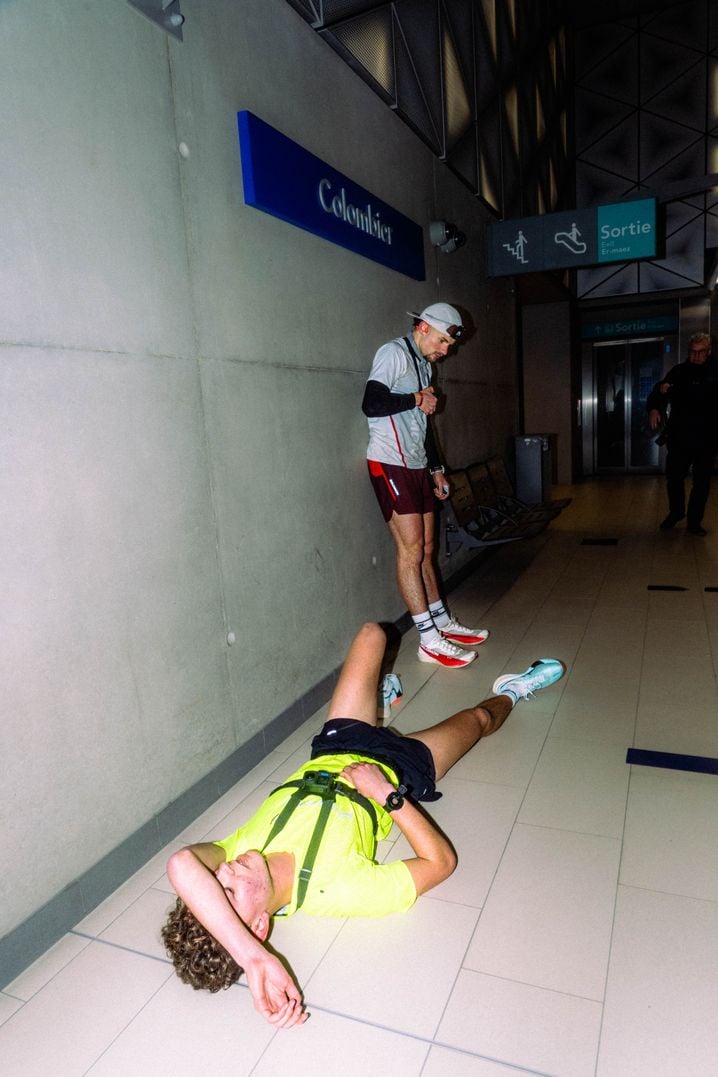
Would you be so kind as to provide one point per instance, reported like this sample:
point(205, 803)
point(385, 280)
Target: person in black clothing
point(691, 433)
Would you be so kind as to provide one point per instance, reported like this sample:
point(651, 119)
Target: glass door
point(624, 373)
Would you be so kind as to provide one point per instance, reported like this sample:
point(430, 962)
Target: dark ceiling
point(582, 13)
point(324, 14)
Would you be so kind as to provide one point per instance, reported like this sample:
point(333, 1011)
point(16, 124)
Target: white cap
point(442, 317)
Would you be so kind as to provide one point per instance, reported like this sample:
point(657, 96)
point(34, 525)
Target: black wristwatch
point(395, 800)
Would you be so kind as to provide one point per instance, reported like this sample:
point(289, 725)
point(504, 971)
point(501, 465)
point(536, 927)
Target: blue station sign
point(630, 327)
point(283, 179)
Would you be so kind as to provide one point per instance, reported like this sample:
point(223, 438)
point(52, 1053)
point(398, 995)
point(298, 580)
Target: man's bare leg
point(355, 693)
point(428, 568)
point(453, 737)
point(408, 532)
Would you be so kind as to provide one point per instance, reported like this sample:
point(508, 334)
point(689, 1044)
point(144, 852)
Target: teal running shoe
point(540, 674)
point(390, 689)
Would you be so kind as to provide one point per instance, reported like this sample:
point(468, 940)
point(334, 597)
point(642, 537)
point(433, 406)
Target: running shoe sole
point(444, 659)
point(473, 640)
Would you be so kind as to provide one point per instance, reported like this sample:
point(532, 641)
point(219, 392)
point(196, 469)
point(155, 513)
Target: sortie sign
point(615, 232)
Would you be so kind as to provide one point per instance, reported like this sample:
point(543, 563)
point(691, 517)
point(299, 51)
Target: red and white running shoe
point(465, 637)
point(444, 653)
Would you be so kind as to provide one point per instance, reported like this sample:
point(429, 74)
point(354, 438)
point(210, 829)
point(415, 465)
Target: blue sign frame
point(285, 180)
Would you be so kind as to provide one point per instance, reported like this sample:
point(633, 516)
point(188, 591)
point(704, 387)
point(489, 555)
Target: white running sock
point(439, 614)
point(428, 632)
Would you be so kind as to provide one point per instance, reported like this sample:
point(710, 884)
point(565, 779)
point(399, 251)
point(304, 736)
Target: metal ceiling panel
point(482, 82)
point(370, 41)
point(595, 116)
point(684, 100)
point(682, 24)
point(597, 283)
point(617, 74)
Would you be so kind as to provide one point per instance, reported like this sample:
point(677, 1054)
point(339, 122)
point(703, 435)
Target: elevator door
point(624, 373)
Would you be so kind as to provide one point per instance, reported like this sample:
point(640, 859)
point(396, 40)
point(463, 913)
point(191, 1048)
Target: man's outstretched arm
point(274, 992)
point(435, 858)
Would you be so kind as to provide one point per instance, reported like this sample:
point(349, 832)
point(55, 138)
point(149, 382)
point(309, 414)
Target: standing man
point(407, 477)
point(691, 435)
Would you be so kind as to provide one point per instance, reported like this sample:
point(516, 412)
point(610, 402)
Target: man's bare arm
point(435, 858)
point(274, 992)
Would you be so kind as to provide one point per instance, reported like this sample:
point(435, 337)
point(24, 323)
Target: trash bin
point(533, 468)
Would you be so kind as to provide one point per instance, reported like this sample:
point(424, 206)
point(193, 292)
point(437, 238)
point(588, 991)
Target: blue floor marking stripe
point(699, 764)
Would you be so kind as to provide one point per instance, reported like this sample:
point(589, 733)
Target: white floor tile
point(674, 638)
point(303, 942)
point(696, 684)
point(605, 713)
point(67, 1025)
point(578, 785)
point(611, 622)
point(616, 594)
point(670, 840)
point(182, 1033)
point(509, 756)
point(8, 1006)
point(477, 819)
point(138, 928)
point(525, 1026)
point(547, 641)
point(663, 727)
point(427, 944)
point(331, 1044)
point(41, 971)
point(662, 988)
point(443, 1062)
point(547, 920)
point(608, 665)
point(565, 611)
point(446, 693)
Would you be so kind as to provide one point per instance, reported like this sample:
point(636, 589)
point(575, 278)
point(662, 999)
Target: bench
point(506, 494)
point(483, 509)
point(530, 520)
point(472, 524)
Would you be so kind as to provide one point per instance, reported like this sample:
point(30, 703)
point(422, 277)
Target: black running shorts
point(409, 758)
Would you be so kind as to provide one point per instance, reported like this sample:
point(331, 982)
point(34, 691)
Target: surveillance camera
point(439, 232)
point(456, 240)
point(446, 236)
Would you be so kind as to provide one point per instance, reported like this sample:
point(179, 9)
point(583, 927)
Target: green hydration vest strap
point(324, 785)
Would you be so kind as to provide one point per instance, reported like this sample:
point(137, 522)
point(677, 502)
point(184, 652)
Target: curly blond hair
point(198, 958)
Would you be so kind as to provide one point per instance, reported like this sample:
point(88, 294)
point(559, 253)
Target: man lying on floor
point(313, 841)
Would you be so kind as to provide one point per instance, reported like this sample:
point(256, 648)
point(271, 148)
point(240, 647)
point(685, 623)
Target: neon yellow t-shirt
point(346, 879)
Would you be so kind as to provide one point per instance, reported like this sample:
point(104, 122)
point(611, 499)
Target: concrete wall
point(180, 377)
point(547, 396)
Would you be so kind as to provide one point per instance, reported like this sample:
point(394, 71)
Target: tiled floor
point(579, 934)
